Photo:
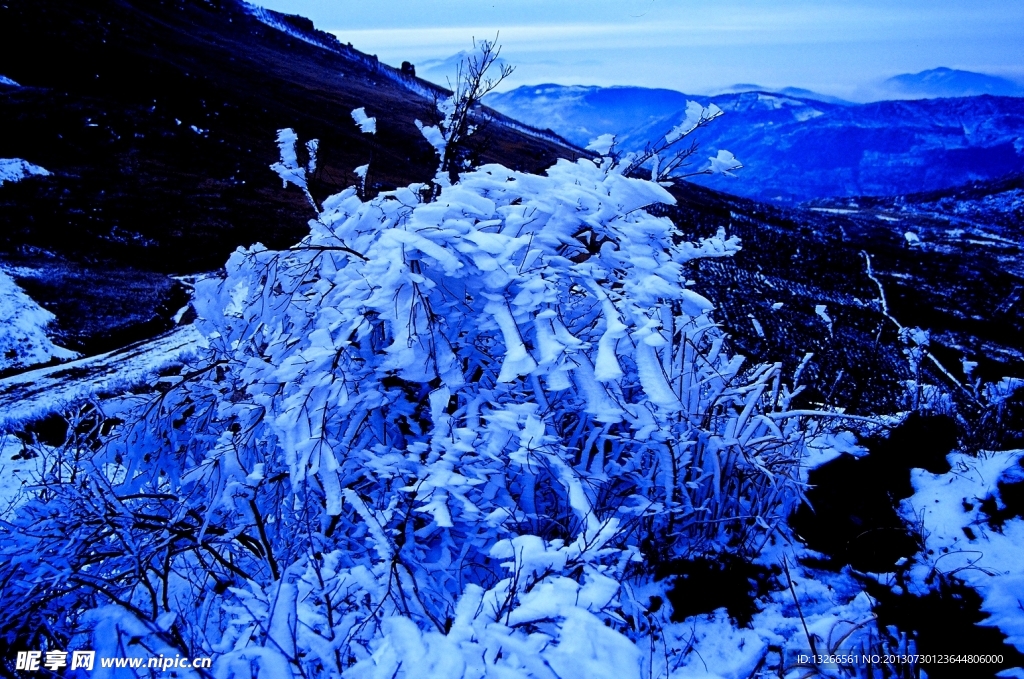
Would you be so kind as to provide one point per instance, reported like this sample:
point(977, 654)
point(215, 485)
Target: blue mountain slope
point(797, 92)
point(796, 148)
point(947, 82)
point(883, 148)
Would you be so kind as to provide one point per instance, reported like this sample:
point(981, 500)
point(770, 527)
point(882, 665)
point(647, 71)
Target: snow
point(23, 338)
point(602, 145)
point(15, 169)
point(822, 312)
point(312, 146)
point(948, 507)
point(288, 167)
point(4, 80)
point(695, 113)
point(758, 328)
point(835, 210)
point(366, 124)
point(724, 163)
point(32, 394)
point(433, 135)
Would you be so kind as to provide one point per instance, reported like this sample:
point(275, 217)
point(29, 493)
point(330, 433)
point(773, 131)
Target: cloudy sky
point(836, 47)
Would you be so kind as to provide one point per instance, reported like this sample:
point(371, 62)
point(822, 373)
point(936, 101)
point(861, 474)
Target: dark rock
point(705, 584)
point(851, 510)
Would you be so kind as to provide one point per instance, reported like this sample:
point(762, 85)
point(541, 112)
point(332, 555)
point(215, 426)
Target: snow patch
point(23, 339)
point(959, 540)
point(32, 394)
point(15, 169)
point(822, 313)
point(4, 80)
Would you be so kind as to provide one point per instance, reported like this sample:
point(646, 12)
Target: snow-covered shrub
point(439, 437)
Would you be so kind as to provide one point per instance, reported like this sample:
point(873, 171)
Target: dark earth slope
point(965, 292)
point(158, 122)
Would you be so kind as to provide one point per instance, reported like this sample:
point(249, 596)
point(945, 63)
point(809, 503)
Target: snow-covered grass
point(32, 394)
point(366, 124)
point(23, 323)
point(509, 382)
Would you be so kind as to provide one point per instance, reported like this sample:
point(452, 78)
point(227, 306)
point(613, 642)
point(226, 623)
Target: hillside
point(158, 127)
point(963, 286)
point(795, 148)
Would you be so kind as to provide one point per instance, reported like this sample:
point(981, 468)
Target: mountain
point(796, 149)
point(582, 113)
point(445, 71)
point(948, 82)
point(981, 215)
point(157, 119)
point(798, 92)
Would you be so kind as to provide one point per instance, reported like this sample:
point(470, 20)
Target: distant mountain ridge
point(794, 148)
point(948, 82)
point(798, 92)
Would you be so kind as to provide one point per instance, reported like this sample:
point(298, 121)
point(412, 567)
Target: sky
point(842, 48)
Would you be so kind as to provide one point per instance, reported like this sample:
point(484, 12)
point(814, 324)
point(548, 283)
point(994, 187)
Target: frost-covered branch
point(666, 156)
point(475, 77)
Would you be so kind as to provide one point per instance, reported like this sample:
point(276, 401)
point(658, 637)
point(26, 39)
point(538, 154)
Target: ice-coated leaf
point(602, 145)
point(367, 125)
